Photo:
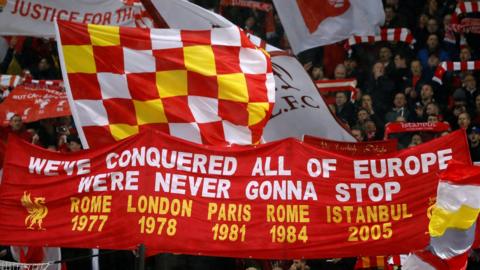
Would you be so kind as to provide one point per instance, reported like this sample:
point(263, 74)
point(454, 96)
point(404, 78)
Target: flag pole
point(141, 257)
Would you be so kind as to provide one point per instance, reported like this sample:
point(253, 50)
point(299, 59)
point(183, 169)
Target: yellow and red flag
point(211, 87)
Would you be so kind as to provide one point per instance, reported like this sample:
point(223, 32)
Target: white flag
point(299, 109)
point(310, 24)
point(36, 17)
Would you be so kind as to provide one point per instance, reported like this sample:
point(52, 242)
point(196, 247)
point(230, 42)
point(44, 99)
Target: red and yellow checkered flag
point(211, 87)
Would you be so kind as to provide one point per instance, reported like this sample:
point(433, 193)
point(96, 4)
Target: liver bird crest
point(36, 209)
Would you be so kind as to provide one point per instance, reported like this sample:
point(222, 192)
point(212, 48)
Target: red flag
point(34, 102)
point(310, 24)
point(315, 12)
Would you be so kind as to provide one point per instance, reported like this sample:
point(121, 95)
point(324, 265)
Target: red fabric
point(386, 34)
point(415, 80)
point(372, 262)
point(454, 66)
point(256, 5)
point(173, 105)
point(19, 45)
point(314, 12)
point(328, 89)
point(353, 149)
point(2, 153)
point(269, 23)
point(22, 134)
point(455, 263)
point(36, 180)
point(34, 102)
point(400, 127)
point(460, 174)
point(31, 255)
point(333, 55)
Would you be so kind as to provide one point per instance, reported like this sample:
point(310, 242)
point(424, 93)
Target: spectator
point(432, 26)
point(420, 32)
point(399, 108)
point(400, 71)
point(433, 119)
point(317, 73)
point(431, 8)
point(44, 70)
point(16, 127)
point(432, 109)
point(343, 108)
point(416, 77)
point(358, 134)
point(469, 84)
point(367, 105)
point(464, 120)
point(391, 18)
point(74, 143)
point(474, 143)
point(351, 67)
point(299, 265)
point(476, 111)
point(385, 56)
point(416, 140)
point(419, 115)
point(432, 47)
point(340, 72)
point(380, 87)
point(250, 26)
point(426, 94)
point(465, 54)
point(371, 131)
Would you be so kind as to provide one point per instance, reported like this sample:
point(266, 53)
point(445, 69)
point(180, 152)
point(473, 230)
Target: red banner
point(280, 200)
point(400, 127)
point(355, 148)
point(34, 102)
point(248, 4)
point(2, 154)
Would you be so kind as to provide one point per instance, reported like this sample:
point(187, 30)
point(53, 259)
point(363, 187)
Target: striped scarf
point(454, 66)
point(388, 34)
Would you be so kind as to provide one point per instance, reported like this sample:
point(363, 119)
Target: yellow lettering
point(85, 204)
point(175, 208)
point(304, 213)
point(164, 206)
point(348, 210)
point(329, 217)
point(130, 209)
point(383, 213)
point(187, 208)
point(292, 213)
point(75, 202)
point(360, 215)
point(232, 209)
point(95, 204)
point(142, 204)
point(337, 214)
point(106, 203)
point(246, 213)
point(153, 204)
point(405, 211)
point(372, 214)
point(396, 215)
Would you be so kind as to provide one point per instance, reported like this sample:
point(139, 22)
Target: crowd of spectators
point(394, 81)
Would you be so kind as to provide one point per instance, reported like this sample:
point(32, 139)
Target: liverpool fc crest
point(36, 209)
